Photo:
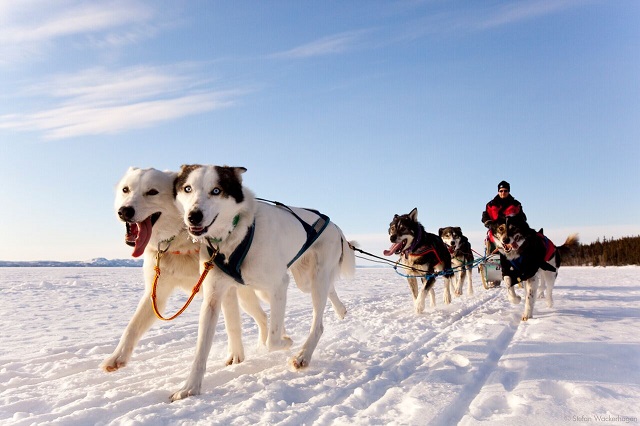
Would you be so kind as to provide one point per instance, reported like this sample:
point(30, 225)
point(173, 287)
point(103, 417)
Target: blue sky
point(361, 109)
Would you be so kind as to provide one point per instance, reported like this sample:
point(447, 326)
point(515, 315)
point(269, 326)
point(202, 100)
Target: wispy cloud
point(29, 27)
point(437, 20)
point(329, 45)
point(44, 20)
point(513, 12)
point(99, 101)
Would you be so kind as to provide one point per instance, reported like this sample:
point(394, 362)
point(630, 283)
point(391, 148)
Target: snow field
point(471, 362)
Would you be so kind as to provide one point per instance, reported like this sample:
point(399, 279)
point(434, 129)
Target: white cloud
point(513, 12)
point(29, 28)
point(32, 21)
point(325, 46)
point(478, 16)
point(100, 101)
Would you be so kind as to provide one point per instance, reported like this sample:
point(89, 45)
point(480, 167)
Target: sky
point(360, 109)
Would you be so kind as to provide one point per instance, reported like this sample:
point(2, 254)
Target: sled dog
point(422, 254)
point(461, 257)
point(530, 257)
point(253, 245)
point(145, 203)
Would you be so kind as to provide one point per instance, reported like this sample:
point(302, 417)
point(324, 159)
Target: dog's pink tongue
point(393, 249)
point(144, 235)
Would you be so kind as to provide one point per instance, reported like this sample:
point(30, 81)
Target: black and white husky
point(528, 256)
point(423, 255)
point(461, 257)
point(256, 244)
point(145, 203)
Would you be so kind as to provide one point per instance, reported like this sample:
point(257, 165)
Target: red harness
point(548, 245)
point(425, 251)
point(186, 252)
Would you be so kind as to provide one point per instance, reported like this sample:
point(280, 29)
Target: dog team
point(203, 225)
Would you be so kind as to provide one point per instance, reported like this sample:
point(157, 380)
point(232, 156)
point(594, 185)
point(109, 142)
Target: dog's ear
point(440, 231)
point(239, 171)
point(519, 222)
point(458, 230)
point(413, 215)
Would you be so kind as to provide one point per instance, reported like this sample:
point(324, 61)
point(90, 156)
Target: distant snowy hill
point(100, 261)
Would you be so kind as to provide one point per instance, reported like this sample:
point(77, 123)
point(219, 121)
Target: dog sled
point(489, 269)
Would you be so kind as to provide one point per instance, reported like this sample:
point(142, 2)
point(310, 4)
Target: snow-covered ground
point(470, 362)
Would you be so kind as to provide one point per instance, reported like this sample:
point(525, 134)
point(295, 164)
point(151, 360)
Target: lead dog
point(461, 257)
point(253, 244)
point(145, 203)
point(528, 256)
point(423, 255)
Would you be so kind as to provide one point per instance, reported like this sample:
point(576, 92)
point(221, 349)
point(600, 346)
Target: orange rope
point(207, 267)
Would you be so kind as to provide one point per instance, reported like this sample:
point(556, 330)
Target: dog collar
point(416, 241)
point(167, 243)
point(217, 241)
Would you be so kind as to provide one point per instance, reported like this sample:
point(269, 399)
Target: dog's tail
point(569, 246)
point(348, 257)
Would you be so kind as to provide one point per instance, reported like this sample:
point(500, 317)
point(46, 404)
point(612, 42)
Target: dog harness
point(525, 267)
point(234, 263)
point(425, 251)
point(232, 267)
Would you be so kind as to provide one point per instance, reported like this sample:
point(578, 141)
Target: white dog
point(145, 203)
point(256, 243)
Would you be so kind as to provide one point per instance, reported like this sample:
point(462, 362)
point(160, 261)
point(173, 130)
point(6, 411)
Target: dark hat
point(504, 184)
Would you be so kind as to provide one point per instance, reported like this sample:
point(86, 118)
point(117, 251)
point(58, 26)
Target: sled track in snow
point(393, 370)
point(457, 408)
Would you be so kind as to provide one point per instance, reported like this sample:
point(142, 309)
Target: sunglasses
point(503, 191)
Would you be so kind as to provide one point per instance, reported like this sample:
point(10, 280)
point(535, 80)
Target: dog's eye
point(152, 192)
point(187, 189)
point(215, 191)
point(125, 190)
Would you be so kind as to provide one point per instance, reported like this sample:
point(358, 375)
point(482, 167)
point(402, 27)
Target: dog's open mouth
point(197, 231)
point(509, 247)
point(139, 234)
point(395, 248)
point(451, 248)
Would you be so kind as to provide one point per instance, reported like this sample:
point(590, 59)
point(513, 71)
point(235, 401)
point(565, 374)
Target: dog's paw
point(515, 299)
point(419, 306)
point(526, 317)
point(234, 359)
point(279, 345)
point(298, 362)
point(341, 313)
point(184, 393)
point(113, 363)
point(446, 298)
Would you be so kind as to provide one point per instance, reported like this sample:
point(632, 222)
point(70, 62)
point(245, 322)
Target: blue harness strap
point(232, 266)
point(313, 231)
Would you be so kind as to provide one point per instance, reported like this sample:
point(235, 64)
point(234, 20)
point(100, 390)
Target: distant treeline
point(620, 252)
